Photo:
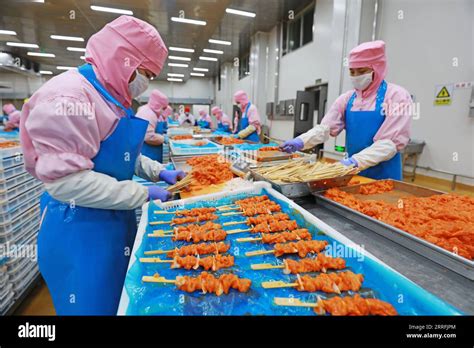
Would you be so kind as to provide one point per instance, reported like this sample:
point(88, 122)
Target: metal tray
point(267, 156)
point(290, 190)
point(431, 251)
point(179, 163)
point(217, 140)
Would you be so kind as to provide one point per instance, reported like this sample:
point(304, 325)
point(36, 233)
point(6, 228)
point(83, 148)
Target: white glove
point(148, 169)
point(380, 151)
point(244, 133)
point(96, 190)
point(315, 136)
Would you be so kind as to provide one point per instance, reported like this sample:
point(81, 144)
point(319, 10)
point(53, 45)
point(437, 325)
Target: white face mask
point(361, 82)
point(138, 85)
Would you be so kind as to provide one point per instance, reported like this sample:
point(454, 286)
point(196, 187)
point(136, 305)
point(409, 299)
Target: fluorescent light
point(197, 74)
point(213, 51)
point(188, 21)
point(111, 10)
point(179, 58)
point(65, 67)
point(212, 59)
point(180, 49)
point(82, 57)
point(200, 69)
point(39, 54)
point(175, 80)
point(76, 49)
point(240, 13)
point(175, 75)
point(66, 38)
point(179, 65)
point(220, 42)
point(7, 32)
point(20, 44)
point(46, 72)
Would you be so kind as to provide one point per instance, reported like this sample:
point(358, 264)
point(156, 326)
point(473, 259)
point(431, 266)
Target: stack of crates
point(19, 225)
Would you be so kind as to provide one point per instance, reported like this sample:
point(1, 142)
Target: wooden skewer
point(160, 235)
point(234, 223)
point(227, 209)
point(230, 214)
point(293, 302)
point(259, 252)
point(153, 279)
point(153, 223)
point(278, 285)
point(248, 239)
point(157, 252)
point(264, 266)
point(154, 260)
point(239, 231)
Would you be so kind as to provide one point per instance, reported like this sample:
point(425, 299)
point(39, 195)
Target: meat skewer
point(326, 282)
point(347, 305)
point(255, 220)
point(190, 212)
point(187, 219)
point(194, 249)
point(282, 237)
point(321, 263)
point(208, 226)
point(255, 199)
point(205, 282)
point(277, 226)
point(256, 210)
point(213, 263)
point(302, 248)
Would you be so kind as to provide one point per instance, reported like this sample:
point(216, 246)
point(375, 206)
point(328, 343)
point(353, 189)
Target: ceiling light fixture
point(200, 69)
point(66, 38)
point(188, 21)
point(20, 44)
point(175, 80)
point(111, 10)
point(180, 49)
point(178, 65)
point(46, 72)
point(7, 32)
point(213, 51)
point(179, 58)
point(65, 67)
point(197, 74)
point(40, 54)
point(240, 12)
point(76, 49)
point(212, 59)
point(175, 75)
point(220, 42)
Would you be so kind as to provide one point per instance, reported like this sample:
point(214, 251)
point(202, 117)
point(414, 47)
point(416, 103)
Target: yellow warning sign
point(443, 94)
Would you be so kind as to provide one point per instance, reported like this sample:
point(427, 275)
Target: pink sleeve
point(254, 117)
point(335, 117)
point(398, 108)
point(13, 120)
point(57, 143)
point(151, 136)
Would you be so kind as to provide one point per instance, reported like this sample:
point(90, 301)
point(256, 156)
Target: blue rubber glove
point(293, 145)
point(156, 192)
point(349, 162)
point(171, 176)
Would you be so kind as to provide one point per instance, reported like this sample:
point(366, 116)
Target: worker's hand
point(156, 192)
point(172, 176)
point(350, 162)
point(293, 145)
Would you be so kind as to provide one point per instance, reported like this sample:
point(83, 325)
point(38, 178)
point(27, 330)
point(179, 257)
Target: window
point(244, 66)
point(298, 31)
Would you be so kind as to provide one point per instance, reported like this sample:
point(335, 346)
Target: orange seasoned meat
point(209, 225)
point(182, 137)
point(277, 226)
point(354, 306)
point(200, 249)
point(197, 236)
point(302, 248)
point(231, 141)
point(255, 220)
point(252, 210)
point(319, 264)
point(213, 263)
point(269, 148)
point(283, 237)
point(195, 211)
point(190, 219)
point(330, 282)
point(254, 199)
point(207, 283)
point(376, 187)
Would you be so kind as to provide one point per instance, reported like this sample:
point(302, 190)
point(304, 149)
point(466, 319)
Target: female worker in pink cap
point(205, 121)
point(153, 113)
point(13, 117)
point(224, 123)
point(249, 125)
point(375, 115)
point(81, 138)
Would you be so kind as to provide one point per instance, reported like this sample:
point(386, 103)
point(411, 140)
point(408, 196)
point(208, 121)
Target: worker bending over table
point(249, 125)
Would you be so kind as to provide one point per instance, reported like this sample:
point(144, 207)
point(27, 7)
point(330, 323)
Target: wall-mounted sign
point(443, 94)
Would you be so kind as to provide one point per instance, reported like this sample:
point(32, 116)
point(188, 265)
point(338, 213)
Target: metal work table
point(451, 287)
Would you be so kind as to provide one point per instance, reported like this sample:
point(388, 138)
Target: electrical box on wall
point(269, 110)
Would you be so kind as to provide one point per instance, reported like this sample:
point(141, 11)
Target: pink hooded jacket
point(397, 102)
point(13, 116)
point(221, 117)
point(64, 122)
point(252, 114)
point(153, 113)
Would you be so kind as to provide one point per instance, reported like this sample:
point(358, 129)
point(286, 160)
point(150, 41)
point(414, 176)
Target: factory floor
point(39, 301)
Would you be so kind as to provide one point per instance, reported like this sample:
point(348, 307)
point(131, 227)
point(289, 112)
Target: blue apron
point(204, 124)
point(83, 253)
point(223, 127)
point(155, 152)
point(244, 123)
point(361, 127)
